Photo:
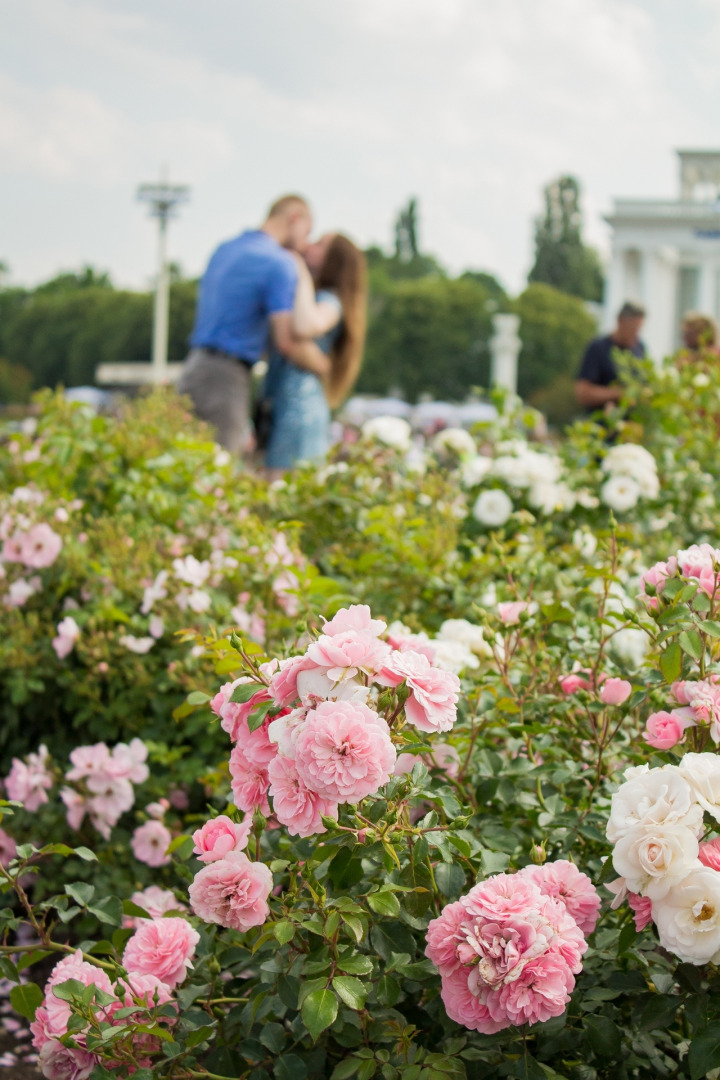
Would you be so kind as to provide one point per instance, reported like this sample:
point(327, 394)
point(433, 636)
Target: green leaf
point(156, 1029)
point(81, 892)
point(351, 990)
point(257, 716)
point(355, 925)
point(691, 643)
point(244, 692)
point(671, 663)
point(704, 1052)
point(319, 1011)
point(356, 964)
point(344, 1069)
point(183, 845)
point(290, 1067)
point(108, 910)
point(384, 903)
point(603, 1036)
point(129, 908)
point(711, 628)
point(284, 931)
point(197, 697)
point(25, 999)
point(66, 991)
point(388, 990)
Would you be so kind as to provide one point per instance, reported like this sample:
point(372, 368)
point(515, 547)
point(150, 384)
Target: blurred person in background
point(331, 308)
point(700, 337)
point(246, 300)
point(597, 385)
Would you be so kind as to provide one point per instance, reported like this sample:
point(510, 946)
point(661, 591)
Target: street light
point(163, 198)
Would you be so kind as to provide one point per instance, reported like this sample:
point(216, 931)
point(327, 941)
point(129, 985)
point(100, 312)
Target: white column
point(707, 292)
point(161, 313)
point(614, 288)
point(659, 297)
point(505, 345)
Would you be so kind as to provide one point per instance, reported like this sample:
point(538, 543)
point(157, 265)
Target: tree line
point(428, 331)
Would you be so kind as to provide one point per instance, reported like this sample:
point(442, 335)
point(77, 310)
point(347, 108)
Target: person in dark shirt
point(597, 381)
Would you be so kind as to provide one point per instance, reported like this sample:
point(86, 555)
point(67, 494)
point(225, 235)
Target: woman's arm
point(309, 318)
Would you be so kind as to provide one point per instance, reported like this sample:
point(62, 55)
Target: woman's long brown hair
point(344, 270)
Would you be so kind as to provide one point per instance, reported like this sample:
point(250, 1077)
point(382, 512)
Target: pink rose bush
point(509, 950)
point(101, 783)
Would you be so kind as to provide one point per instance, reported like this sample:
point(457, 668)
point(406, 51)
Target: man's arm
point(302, 352)
point(592, 396)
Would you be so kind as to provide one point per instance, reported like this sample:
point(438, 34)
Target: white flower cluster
point(632, 474)
point(537, 474)
point(656, 820)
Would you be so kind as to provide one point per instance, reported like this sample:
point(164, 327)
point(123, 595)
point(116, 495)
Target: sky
point(470, 105)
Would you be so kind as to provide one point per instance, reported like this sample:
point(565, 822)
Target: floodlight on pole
point(163, 198)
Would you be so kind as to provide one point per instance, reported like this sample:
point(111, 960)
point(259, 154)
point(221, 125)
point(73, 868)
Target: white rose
point(702, 772)
point(701, 379)
point(628, 459)
point(453, 656)
point(492, 508)
point(458, 440)
point(474, 470)
point(620, 493)
point(630, 645)
point(391, 430)
point(653, 859)
point(550, 497)
point(688, 917)
point(468, 634)
point(653, 798)
point(585, 542)
point(139, 645)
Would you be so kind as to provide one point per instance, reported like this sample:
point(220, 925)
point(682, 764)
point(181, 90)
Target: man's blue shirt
point(248, 279)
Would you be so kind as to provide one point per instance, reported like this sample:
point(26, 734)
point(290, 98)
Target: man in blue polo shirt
point(246, 296)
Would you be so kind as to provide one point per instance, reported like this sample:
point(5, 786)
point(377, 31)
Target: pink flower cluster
point(613, 691)
point(29, 781)
point(509, 950)
point(700, 562)
point(700, 706)
point(36, 548)
point(322, 744)
point(156, 957)
point(103, 783)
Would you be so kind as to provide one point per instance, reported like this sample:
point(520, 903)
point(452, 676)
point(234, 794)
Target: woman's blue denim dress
point(300, 413)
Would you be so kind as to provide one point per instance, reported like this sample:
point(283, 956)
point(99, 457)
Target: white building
point(666, 253)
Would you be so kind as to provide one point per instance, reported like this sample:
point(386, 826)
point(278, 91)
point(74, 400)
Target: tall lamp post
point(162, 198)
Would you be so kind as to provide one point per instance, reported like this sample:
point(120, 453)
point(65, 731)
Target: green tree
point(561, 258)
point(554, 329)
point(406, 232)
point(429, 336)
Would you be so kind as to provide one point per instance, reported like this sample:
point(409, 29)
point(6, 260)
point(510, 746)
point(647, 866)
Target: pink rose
point(615, 691)
point(219, 836)
point(283, 684)
point(709, 853)
point(232, 892)
point(343, 655)
point(343, 751)
point(664, 729)
point(355, 617)
point(564, 882)
point(8, 848)
point(465, 1006)
point(155, 901)
point(679, 691)
point(51, 1018)
point(29, 781)
point(642, 909)
point(432, 704)
point(249, 783)
point(406, 642)
point(58, 1062)
point(294, 804)
point(574, 682)
point(511, 611)
point(163, 948)
point(150, 843)
point(40, 547)
point(700, 561)
point(68, 633)
point(656, 576)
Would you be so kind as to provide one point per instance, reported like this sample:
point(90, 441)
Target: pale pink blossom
point(249, 783)
point(570, 684)
point(40, 547)
point(432, 704)
point(128, 762)
point(343, 751)
point(664, 729)
point(192, 571)
point(220, 835)
point(150, 843)
point(511, 611)
point(138, 645)
point(155, 901)
point(29, 781)
point(76, 806)
point(700, 561)
point(402, 639)
point(615, 691)
point(163, 948)
point(232, 892)
point(58, 1062)
point(21, 590)
point(286, 587)
point(154, 592)
point(88, 761)
point(156, 626)
point(642, 910)
point(355, 617)
point(656, 576)
point(8, 848)
point(709, 853)
point(563, 881)
point(343, 654)
point(679, 692)
point(13, 548)
point(294, 804)
point(283, 684)
point(157, 809)
point(68, 633)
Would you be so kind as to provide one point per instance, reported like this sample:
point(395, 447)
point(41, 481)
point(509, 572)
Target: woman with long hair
point(331, 307)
